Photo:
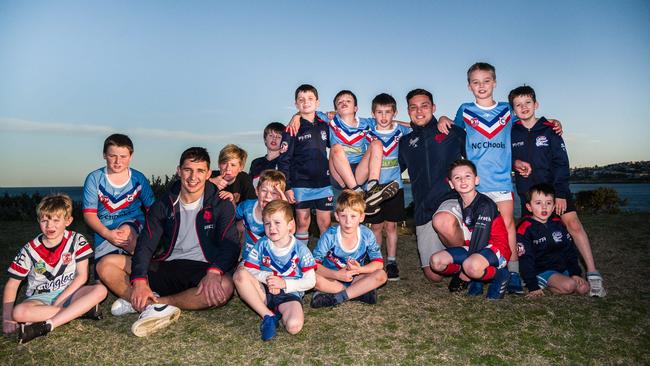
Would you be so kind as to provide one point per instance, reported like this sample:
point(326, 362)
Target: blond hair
point(351, 199)
point(275, 177)
point(278, 206)
point(231, 152)
point(54, 204)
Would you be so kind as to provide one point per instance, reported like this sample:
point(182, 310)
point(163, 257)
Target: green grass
point(413, 323)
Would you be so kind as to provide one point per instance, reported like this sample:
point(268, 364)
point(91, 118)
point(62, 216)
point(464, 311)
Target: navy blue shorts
point(273, 301)
point(322, 204)
point(460, 254)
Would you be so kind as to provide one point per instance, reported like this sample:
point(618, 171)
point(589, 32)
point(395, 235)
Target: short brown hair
point(274, 177)
point(385, 100)
point(522, 91)
point(351, 199)
point(306, 88)
point(232, 151)
point(119, 140)
point(483, 66)
point(54, 204)
point(278, 206)
point(195, 154)
point(461, 162)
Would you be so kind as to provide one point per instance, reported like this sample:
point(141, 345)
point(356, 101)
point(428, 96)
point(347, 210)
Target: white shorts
point(500, 196)
point(427, 238)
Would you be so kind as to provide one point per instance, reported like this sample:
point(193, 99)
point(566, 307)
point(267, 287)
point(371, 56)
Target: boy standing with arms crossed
point(278, 271)
point(303, 160)
point(55, 264)
point(536, 146)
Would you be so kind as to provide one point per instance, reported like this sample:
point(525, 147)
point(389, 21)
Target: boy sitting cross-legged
point(55, 264)
point(547, 255)
point(278, 270)
point(350, 264)
point(485, 254)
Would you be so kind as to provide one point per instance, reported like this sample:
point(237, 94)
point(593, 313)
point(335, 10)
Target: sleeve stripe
point(305, 269)
point(251, 265)
point(82, 250)
point(380, 260)
point(90, 210)
point(18, 269)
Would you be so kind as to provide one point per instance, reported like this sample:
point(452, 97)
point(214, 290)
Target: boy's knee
point(20, 312)
point(380, 276)
point(437, 263)
point(293, 326)
point(390, 227)
point(444, 223)
point(100, 290)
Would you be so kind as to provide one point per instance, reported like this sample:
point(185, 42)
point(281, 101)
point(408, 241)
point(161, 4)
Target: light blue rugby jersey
point(253, 229)
point(352, 139)
point(293, 265)
point(488, 143)
point(390, 169)
point(116, 205)
point(330, 254)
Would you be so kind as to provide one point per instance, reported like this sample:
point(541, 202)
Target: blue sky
point(176, 74)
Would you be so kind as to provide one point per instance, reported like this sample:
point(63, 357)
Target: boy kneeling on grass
point(483, 257)
point(55, 264)
point(547, 254)
point(350, 264)
point(279, 269)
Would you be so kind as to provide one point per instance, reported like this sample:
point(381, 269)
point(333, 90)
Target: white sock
point(513, 266)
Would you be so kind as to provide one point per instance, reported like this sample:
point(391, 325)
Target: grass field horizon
point(414, 322)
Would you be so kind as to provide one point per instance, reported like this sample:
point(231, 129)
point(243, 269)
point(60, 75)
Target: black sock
point(341, 296)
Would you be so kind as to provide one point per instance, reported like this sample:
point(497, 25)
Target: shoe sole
point(389, 191)
point(115, 312)
point(144, 327)
point(394, 279)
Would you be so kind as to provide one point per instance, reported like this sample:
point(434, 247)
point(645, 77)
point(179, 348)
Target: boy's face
point(344, 105)
point(463, 180)
point(276, 227)
point(117, 159)
point(421, 110)
point(267, 192)
point(307, 102)
point(193, 175)
point(524, 107)
point(384, 116)
point(482, 84)
point(349, 219)
point(272, 141)
point(541, 205)
point(53, 226)
point(230, 169)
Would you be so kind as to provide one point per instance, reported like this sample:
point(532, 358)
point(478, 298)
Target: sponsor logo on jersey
point(40, 268)
point(130, 197)
point(484, 218)
point(323, 135)
point(208, 227)
point(468, 221)
point(414, 142)
point(283, 147)
point(518, 144)
point(557, 236)
point(207, 215)
point(439, 137)
point(539, 241)
point(306, 136)
point(266, 261)
point(67, 258)
point(488, 145)
point(541, 141)
point(562, 147)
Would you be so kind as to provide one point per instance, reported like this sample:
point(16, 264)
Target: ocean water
point(636, 194)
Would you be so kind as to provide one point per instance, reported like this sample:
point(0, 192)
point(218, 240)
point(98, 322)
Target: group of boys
point(185, 253)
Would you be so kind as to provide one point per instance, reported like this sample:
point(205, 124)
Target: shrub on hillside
point(159, 186)
point(23, 207)
point(599, 200)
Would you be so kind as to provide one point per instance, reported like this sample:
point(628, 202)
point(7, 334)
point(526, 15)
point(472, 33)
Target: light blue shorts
point(542, 278)
point(48, 298)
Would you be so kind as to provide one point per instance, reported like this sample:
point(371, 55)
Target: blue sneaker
point(497, 287)
point(514, 285)
point(475, 288)
point(269, 327)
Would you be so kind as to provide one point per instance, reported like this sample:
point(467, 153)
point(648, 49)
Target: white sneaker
point(153, 318)
point(122, 307)
point(596, 288)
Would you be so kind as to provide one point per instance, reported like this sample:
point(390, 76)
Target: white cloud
point(20, 125)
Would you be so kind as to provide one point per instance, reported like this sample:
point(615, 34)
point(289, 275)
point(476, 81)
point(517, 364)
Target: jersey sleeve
point(82, 249)
point(253, 259)
point(373, 249)
point(307, 261)
point(20, 266)
point(458, 120)
point(146, 196)
point(526, 256)
point(239, 211)
point(560, 166)
point(90, 198)
point(247, 191)
point(286, 157)
point(482, 233)
point(325, 243)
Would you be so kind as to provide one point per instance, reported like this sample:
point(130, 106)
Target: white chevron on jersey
point(487, 128)
point(112, 203)
point(346, 136)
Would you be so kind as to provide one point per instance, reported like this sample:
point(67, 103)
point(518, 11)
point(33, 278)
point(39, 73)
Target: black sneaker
point(93, 314)
point(456, 284)
point(321, 300)
point(381, 192)
point(368, 297)
point(27, 332)
point(392, 271)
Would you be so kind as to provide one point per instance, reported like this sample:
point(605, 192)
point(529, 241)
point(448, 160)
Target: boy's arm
point(526, 257)
point(306, 265)
point(488, 229)
point(148, 241)
point(227, 234)
point(284, 162)
point(560, 167)
point(8, 299)
point(343, 275)
point(90, 205)
point(80, 279)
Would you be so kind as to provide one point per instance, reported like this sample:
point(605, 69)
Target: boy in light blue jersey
point(388, 132)
point(115, 198)
point(270, 187)
point(278, 270)
point(350, 264)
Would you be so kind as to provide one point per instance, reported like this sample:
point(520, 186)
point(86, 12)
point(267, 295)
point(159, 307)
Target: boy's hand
point(294, 125)
point(9, 326)
point(275, 283)
point(557, 126)
point(523, 168)
point(346, 275)
point(280, 192)
point(353, 265)
point(117, 237)
point(536, 293)
point(330, 115)
point(560, 206)
point(290, 197)
point(141, 295)
point(210, 287)
point(444, 124)
point(227, 196)
point(219, 182)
